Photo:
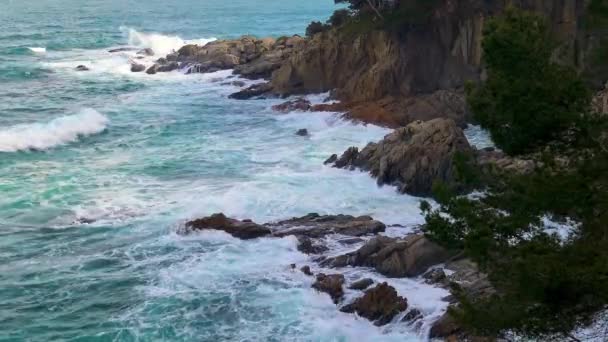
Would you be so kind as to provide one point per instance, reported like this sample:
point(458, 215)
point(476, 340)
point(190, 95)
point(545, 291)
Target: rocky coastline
point(412, 82)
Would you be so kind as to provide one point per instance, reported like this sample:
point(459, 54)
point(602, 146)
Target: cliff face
point(400, 70)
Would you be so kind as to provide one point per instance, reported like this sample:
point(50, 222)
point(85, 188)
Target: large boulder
point(316, 226)
point(413, 158)
point(330, 284)
point(410, 257)
point(379, 304)
point(245, 229)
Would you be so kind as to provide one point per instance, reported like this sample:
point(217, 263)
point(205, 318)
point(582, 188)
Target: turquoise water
point(98, 169)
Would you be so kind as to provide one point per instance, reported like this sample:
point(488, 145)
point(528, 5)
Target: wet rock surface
point(316, 226)
point(300, 104)
point(240, 229)
point(330, 284)
point(361, 284)
point(379, 304)
point(392, 257)
point(413, 158)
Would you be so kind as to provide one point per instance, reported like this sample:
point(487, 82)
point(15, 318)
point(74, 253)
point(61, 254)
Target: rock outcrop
point(316, 226)
point(392, 257)
point(413, 158)
point(379, 304)
point(240, 229)
point(330, 284)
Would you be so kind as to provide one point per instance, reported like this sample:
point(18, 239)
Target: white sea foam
point(38, 50)
point(161, 44)
point(42, 136)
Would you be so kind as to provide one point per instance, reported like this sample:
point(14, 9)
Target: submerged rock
point(330, 284)
point(240, 229)
point(82, 68)
point(306, 270)
point(122, 49)
point(146, 52)
point(379, 304)
point(361, 284)
point(303, 132)
point(315, 226)
point(410, 257)
point(413, 157)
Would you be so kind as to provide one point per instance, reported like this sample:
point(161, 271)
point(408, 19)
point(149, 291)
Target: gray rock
point(303, 132)
point(410, 257)
point(82, 68)
point(361, 284)
point(135, 67)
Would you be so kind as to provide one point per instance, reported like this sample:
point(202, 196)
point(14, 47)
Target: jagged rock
point(135, 67)
point(412, 315)
point(300, 104)
point(332, 159)
point(249, 57)
point(435, 276)
point(379, 304)
point(255, 90)
point(82, 68)
point(152, 70)
point(348, 158)
point(306, 245)
point(315, 226)
point(444, 327)
point(410, 257)
point(413, 157)
point(240, 229)
point(303, 132)
point(330, 284)
point(146, 52)
point(306, 270)
point(361, 284)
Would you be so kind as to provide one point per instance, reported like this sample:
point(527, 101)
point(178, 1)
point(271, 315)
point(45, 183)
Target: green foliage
point(315, 27)
point(526, 100)
point(546, 286)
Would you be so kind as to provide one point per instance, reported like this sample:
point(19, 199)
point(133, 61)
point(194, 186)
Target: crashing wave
point(161, 44)
point(60, 131)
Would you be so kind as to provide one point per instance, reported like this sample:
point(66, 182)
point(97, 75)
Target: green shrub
point(526, 100)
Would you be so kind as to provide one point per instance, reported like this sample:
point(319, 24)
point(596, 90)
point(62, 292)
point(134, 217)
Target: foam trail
point(39, 50)
point(42, 136)
point(161, 44)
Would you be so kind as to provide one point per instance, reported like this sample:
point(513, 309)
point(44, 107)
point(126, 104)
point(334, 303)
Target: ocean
point(99, 169)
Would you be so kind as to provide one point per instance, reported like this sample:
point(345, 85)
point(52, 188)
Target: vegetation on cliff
point(548, 285)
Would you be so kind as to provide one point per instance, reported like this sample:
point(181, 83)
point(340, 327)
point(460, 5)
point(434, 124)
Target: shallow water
point(135, 155)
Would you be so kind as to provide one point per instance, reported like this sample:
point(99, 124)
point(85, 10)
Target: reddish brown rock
point(240, 229)
point(379, 304)
point(330, 284)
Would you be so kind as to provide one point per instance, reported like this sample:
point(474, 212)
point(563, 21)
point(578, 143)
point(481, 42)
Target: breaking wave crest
point(62, 130)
